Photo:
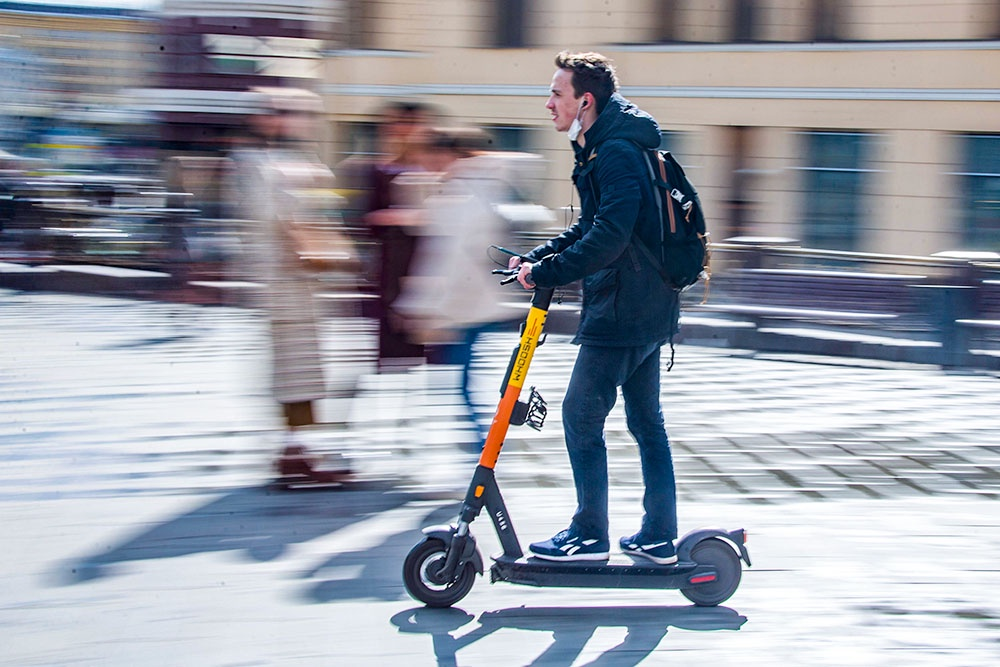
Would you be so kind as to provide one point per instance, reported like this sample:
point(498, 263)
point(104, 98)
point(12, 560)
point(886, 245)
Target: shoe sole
point(580, 557)
point(669, 560)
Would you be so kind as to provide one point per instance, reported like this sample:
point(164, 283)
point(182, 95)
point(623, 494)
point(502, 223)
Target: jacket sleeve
point(556, 245)
point(578, 254)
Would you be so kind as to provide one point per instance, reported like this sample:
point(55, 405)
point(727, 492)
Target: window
point(738, 203)
point(745, 21)
point(362, 138)
point(826, 20)
point(509, 138)
point(981, 191)
point(675, 142)
point(234, 65)
point(667, 21)
point(510, 24)
point(356, 29)
point(834, 181)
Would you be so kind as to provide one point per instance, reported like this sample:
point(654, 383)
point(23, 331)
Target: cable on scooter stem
point(512, 273)
point(523, 258)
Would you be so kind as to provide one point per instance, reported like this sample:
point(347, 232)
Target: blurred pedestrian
point(388, 210)
point(286, 194)
point(450, 296)
point(628, 314)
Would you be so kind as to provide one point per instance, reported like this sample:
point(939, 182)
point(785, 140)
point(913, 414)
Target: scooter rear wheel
point(419, 568)
point(715, 553)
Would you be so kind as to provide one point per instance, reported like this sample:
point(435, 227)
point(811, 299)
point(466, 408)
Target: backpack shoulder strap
point(660, 161)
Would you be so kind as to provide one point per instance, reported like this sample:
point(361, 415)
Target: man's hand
point(524, 275)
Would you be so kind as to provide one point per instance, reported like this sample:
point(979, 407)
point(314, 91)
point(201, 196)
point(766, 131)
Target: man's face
point(562, 104)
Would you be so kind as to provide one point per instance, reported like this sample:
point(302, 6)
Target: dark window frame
point(834, 180)
point(980, 191)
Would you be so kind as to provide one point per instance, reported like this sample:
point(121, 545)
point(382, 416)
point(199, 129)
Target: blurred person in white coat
point(451, 296)
point(286, 196)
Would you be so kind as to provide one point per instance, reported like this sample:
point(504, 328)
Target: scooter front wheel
point(720, 556)
point(419, 575)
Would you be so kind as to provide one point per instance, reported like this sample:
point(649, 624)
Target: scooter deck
point(533, 571)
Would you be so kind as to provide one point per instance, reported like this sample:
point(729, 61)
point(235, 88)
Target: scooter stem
point(531, 333)
point(483, 489)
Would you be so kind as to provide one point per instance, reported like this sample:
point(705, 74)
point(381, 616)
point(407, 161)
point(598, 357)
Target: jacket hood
point(623, 120)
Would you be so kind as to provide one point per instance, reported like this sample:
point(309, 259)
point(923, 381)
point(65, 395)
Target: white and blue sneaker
point(568, 545)
point(661, 552)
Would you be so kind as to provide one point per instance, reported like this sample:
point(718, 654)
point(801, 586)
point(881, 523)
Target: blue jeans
point(592, 392)
point(460, 354)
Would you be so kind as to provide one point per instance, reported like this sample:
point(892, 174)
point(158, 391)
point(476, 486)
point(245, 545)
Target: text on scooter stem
point(535, 321)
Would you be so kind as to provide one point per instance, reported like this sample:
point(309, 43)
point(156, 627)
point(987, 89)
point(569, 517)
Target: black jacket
point(625, 301)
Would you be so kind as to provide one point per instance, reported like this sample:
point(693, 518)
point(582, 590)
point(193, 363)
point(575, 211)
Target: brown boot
point(296, 467)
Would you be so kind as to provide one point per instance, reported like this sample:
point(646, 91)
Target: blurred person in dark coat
point(386, 204)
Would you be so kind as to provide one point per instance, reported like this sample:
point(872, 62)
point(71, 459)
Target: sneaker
point(660, 552)
point(569, 545)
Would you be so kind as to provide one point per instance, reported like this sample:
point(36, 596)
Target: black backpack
point(684, 256)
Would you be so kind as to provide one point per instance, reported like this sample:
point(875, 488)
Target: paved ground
point(135, 440)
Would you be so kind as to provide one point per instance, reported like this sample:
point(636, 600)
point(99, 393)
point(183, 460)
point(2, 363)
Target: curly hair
point(592, 73)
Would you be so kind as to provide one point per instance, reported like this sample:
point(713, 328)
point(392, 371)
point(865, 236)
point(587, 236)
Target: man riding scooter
point(628, 314)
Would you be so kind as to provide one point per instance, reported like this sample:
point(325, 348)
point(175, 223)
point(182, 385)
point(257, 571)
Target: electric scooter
point(441, 569)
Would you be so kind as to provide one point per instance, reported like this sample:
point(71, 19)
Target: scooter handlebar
point(510, 273)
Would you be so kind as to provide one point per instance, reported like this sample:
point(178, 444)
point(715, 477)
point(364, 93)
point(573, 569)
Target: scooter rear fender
point(445, 533)
point(736, 538)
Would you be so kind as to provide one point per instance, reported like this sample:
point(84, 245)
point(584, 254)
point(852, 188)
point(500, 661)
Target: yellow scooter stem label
point(529, 341)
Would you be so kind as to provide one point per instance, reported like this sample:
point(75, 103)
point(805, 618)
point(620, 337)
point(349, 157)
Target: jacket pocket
point(600, 291)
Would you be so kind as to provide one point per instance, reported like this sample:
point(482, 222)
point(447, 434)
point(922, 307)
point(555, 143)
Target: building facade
point(214, 51)
point(864, 125)
point(65, 70)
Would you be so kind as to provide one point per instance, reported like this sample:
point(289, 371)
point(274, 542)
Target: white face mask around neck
point(576, 126)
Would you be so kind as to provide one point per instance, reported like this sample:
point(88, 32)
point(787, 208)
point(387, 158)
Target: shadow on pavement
point(571, 628)
point(374, 572)
point(259, 521)
point(150, 342)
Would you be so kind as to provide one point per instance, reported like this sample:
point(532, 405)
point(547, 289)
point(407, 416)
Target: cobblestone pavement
point(89, 377)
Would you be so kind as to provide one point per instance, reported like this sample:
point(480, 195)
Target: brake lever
point(510, 273)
